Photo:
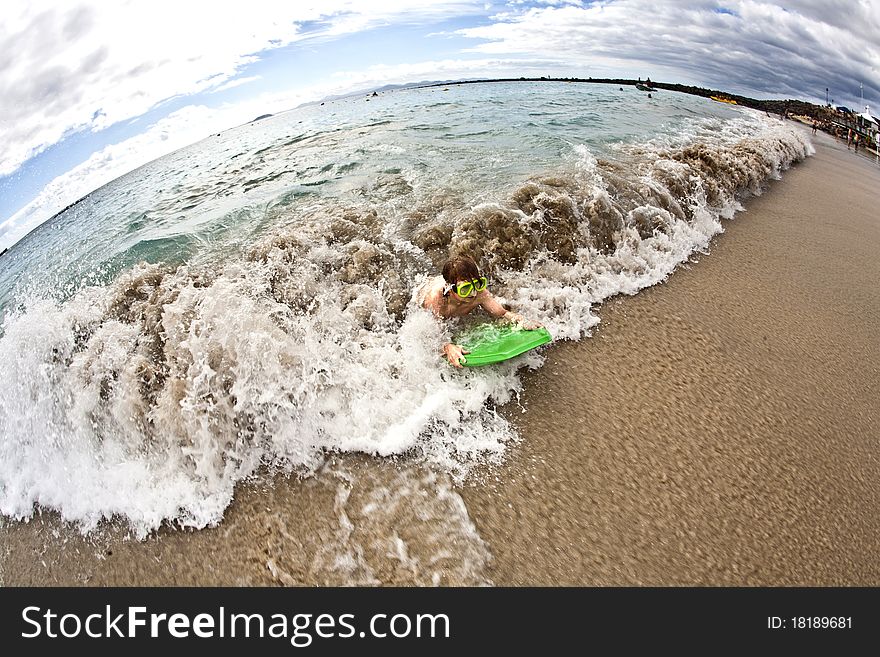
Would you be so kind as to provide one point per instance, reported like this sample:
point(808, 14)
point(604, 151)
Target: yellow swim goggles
point(464, 289)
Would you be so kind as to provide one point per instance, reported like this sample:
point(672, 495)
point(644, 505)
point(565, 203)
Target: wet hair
point(461, 268)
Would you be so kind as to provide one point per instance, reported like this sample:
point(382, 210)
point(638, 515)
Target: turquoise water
point(247, 302)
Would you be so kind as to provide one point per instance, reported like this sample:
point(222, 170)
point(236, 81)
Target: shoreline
point(719, 429)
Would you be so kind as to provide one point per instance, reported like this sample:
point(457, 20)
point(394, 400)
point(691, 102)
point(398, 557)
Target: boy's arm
point(452, 352)
point(491, 306)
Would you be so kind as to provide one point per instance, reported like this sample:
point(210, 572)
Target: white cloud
point(69, 67)
point(237, 82)
point(793, 48)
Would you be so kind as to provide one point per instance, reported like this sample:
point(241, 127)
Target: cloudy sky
point(90, 90)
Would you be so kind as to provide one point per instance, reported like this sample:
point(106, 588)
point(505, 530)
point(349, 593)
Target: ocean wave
point(150, 398)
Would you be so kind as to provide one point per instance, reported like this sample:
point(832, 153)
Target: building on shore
point(869, 125)
point(864, 124)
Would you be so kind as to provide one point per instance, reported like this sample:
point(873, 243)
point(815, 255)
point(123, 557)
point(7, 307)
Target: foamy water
point(247, 302)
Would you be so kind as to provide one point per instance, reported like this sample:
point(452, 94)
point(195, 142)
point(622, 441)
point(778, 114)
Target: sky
point(91, 90)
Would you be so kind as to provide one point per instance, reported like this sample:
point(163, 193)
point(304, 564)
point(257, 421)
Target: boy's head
point(460, 268)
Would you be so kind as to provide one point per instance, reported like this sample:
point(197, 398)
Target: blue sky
point(91, 90)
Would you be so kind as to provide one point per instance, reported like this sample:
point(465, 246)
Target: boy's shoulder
point(429, 291)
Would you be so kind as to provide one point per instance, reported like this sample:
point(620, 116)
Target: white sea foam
point(245, 381)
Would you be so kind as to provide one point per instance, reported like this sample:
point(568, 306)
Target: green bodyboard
point(492, 343)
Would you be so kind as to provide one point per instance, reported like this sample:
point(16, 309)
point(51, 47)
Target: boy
point(457, 292)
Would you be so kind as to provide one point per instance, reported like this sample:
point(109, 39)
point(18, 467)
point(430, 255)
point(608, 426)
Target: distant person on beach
point(460, 290)
point(815, 125)
point(848, 138)
point(856, 142)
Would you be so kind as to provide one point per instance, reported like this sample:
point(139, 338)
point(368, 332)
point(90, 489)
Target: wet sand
point(719, 429)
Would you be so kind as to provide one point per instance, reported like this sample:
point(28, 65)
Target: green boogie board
point(490, 343)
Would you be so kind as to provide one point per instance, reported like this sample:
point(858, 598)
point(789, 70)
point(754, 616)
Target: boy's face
point(467, 289)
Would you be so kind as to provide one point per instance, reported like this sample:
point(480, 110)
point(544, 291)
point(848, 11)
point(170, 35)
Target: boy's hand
point(454, 354)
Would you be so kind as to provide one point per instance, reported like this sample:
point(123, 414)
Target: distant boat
point(723, 100)
point(644, 87)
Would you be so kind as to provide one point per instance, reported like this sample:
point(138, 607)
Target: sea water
point(245, 305)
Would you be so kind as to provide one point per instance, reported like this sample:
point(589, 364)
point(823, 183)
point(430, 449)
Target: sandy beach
point(718, 429)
